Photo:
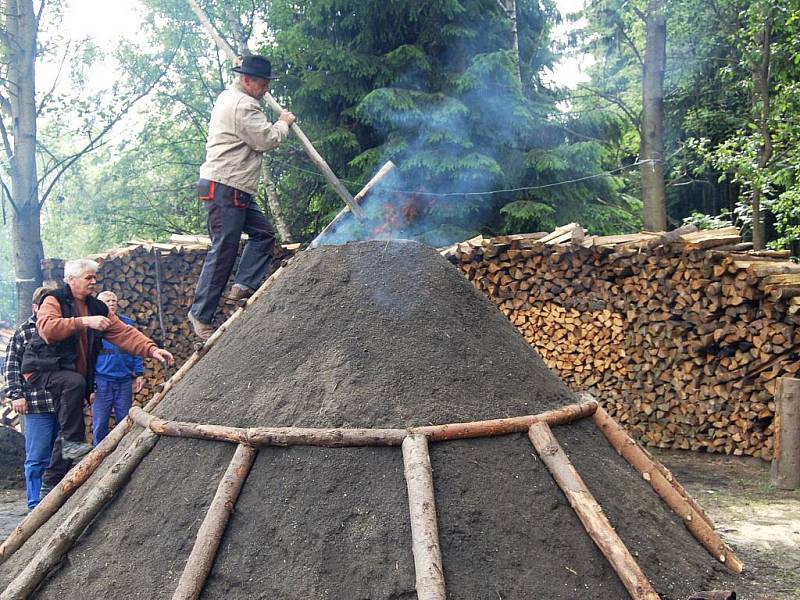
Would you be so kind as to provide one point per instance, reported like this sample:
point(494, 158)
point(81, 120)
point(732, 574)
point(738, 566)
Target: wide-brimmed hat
point(255, 66)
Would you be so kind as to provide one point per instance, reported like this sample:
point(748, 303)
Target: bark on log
point(424, 528)
point(590, 513)
point(458, 431)
point(695, 522)
point(271, 436)
point(61, 492)
point(51, 553)
point(785, 472)
point(209, 536)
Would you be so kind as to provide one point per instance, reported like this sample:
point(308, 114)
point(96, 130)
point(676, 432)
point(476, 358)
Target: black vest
point(40, 356)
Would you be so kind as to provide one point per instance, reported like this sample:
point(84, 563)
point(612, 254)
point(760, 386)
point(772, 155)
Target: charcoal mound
point(373, 334)
point(12, 458)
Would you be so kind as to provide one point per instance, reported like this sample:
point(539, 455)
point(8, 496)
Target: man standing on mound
point(238, 135)
point(62, 353)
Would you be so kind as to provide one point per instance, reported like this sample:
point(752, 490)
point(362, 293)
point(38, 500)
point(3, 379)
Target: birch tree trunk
point(19, 42)
point(651, 152)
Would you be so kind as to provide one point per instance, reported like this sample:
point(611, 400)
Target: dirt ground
point(761, 523)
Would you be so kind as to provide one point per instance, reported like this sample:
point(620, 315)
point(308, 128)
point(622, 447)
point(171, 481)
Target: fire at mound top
point(376, 334)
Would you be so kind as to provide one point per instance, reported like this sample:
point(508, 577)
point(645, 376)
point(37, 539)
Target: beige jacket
point(238, 135)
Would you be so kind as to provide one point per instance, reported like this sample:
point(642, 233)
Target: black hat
point(256, 66)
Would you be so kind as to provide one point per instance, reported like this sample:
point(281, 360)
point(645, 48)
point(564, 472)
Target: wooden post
point(785, 473)
point(424, 529)
point(209, 536)
point(62, 539)
point(680, 503)
point(590, 513)
point(383, 172)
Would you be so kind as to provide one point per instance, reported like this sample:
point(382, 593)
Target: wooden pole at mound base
point(424, 529)
point(785, 472)
point(271, 436)
point(590, 513)
point(62, 539)
point(701, 528)
point(460, 431)
point(209, 536)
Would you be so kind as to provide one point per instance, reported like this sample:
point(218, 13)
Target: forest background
point(689, 113)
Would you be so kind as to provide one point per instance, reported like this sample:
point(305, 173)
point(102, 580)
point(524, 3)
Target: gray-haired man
point(61, 355)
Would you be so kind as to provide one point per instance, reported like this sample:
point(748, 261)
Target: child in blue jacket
point(118, 375)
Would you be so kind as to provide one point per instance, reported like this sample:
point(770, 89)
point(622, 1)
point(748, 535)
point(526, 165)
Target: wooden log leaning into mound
point(424, 528)
point(681, 504)
point(590, 513)
point(78, 475)
point(383, 172)
point(209, 536)
point(62, 539)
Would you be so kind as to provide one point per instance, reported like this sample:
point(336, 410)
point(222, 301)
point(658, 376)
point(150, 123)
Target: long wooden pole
point(59, 543)
point(424, 528)
point(459, 431)
point(271, 436)
point(65, 488)
point(209, 536)
point(590, 513)
point(383, 172)
point(785, 472)
point(336, 437)
point(681, 504)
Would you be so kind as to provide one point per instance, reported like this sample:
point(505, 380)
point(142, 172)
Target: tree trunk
point(274, 206)
point(651, 153)
point(510, 8)
point(761, 110)
point(26, 236)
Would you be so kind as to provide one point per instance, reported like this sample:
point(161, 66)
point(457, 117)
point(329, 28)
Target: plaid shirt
point(40, 400)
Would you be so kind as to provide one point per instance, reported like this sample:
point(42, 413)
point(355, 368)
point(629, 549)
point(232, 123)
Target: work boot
point(240, 292)
point(201, 330)
point(74, 450)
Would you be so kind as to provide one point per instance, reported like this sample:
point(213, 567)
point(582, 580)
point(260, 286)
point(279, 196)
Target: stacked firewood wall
point(155, 285)
point(680, 342)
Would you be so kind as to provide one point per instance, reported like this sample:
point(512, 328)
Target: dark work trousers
point(69, 389)
point(231, 212)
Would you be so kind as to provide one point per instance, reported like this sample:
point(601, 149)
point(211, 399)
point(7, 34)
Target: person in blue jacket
point(118, 375)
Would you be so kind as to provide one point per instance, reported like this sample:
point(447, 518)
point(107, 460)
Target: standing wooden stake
point(51, 553)
point(590, 513)
point(424, 530)
point(200, 561)
point(681, 505)
point(786, 452)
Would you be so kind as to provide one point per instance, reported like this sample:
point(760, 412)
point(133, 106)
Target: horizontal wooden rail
point(341, 437)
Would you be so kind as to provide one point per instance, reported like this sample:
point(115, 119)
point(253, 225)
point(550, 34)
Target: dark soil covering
point(12, 458)
point(376, 334)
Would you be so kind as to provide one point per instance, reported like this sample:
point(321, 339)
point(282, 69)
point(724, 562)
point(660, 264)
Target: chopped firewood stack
point(155, 284)
point(681, 335)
